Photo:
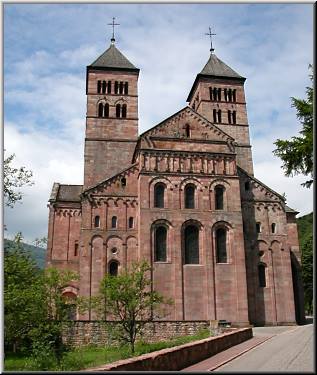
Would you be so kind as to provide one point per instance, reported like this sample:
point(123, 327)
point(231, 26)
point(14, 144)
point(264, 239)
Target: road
point(291, 350)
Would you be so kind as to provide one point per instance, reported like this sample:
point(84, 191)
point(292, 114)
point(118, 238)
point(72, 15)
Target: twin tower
point(112, 111)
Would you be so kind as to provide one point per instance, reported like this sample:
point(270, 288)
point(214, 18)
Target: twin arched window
point(103, 110)
point(160, 241)
point(159, 190)
point(121, 110)
point(189, 196)
point(221, 245)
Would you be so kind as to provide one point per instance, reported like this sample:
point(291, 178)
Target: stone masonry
point(229, 248)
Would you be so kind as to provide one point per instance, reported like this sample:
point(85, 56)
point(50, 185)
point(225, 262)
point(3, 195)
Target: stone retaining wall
point(179, 357)
point(98, 333)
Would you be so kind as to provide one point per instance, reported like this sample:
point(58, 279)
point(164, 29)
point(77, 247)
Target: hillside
point(37, 253)
point(305, 228)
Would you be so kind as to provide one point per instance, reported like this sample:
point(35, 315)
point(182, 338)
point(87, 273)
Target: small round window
point(114, 250)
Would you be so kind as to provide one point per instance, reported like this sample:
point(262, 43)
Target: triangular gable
point(175, 127)
point(260, 191)
point(113, 185)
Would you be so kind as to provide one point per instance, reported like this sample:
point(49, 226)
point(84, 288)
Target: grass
point(91, 356)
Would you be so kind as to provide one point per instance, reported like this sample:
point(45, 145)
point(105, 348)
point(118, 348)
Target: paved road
point(290, 350)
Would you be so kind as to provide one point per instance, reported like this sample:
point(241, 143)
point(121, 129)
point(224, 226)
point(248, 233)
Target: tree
point(129, 299)
point(307, 273)
point(21, 302)
point(35, 309)
point(14, 178)
point(297, 153)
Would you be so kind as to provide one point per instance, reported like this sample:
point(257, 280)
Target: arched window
point(230, 95)
point(273, 227)
point(234, 95)
point(215, 115)
point(109, 87)
point(126, 88)
point(234, 117)
point(191, 242)
point(131, 222)
point(114, 222)
point(104, 87)
point(221, 246)
point(219, 197)
point(160, 244)
point(258, 227)
point(219, 95)
point(262, 276)
point(187, 130)
point(159, 190)
point(106, 113)
point(98, 87)
point(100, 110)
point(124, 110)
point(116, 87)
point(118, 110)
point(97, 221)
point(189, 196)
point(229, 117)
point(113, 268)
point(76, 249)
point(219, 116)
point(214, 91)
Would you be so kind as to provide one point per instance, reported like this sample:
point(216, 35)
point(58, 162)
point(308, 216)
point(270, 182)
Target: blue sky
point(47, 48)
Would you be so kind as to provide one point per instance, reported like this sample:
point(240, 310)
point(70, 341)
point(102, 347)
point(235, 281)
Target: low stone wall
point(80, 333)
point(179, 357)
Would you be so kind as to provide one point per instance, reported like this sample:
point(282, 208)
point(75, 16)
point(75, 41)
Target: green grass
point(91, 356)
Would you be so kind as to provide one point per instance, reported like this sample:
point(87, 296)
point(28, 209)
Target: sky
point(48, 46)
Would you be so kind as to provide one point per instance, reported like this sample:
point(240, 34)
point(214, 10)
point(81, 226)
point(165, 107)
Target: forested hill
point(305, 228)
point(37, 253)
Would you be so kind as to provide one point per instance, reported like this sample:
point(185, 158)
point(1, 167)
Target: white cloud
point(270, 44)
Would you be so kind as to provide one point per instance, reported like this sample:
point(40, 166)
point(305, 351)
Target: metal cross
point(113, 24)
point(210, 34)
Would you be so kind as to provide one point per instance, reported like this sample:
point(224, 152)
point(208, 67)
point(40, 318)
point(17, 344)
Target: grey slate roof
point(216, 67)
point(113, 58)
point(65, 193)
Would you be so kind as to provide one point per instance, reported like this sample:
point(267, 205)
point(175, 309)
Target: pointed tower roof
point(113, 59)
point(215, 68)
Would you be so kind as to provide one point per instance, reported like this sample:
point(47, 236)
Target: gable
point(184, 130)
point(257, 191)
point(122, 184)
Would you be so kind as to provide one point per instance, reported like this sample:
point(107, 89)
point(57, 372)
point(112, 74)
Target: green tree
point(21, 295)
point(35, 309)
point(129, 299)
point(297, 153)
point(14, 178)
point(307, 273)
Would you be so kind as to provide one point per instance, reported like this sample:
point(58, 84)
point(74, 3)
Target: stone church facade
point(183, 196)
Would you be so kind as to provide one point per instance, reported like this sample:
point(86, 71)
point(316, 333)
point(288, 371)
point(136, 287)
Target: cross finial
point(113, 24)
point(210, 34)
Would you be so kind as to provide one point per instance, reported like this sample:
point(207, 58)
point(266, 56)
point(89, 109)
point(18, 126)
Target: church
point(183, 196)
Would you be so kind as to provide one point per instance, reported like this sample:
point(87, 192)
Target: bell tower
point(218, 95)
point(112, 115)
